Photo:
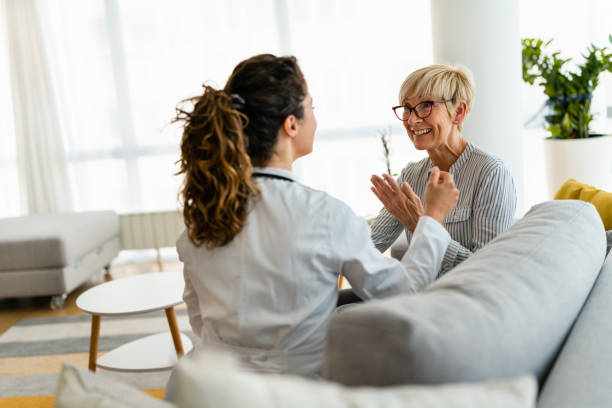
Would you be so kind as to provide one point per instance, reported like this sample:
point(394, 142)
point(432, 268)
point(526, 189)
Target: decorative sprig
point(385, 139)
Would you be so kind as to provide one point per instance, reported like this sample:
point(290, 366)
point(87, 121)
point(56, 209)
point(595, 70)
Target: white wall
point(484, 36)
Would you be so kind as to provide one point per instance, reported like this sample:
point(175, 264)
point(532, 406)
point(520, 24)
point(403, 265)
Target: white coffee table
point(133, 295)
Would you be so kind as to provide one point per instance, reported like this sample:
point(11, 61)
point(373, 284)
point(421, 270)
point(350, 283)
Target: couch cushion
point(79, 388)
point(53, 240)
point(216, 382)
point(581, 374)
point(503, 312)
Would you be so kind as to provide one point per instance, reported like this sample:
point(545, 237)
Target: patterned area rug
point(32, 352)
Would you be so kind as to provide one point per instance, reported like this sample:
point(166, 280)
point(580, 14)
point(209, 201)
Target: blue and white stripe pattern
point(487, 202)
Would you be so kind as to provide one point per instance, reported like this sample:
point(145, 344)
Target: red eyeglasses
point(422, 110)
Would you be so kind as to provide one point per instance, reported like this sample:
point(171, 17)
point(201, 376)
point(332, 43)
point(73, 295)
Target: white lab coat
point(269, 294)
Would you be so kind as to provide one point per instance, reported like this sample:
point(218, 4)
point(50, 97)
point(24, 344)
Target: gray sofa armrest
point(581, 376)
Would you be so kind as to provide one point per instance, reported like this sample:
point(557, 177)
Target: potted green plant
point(572, 150)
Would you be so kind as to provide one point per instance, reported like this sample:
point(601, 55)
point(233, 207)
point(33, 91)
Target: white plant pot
point(586, 160)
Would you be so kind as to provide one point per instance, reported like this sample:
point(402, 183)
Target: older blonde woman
point(433, 103)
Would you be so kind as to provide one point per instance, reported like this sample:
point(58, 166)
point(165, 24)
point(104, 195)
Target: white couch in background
point(52, 254)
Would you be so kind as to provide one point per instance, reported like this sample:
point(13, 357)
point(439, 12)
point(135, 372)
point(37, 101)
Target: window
point(355, 58)
point(120, 68)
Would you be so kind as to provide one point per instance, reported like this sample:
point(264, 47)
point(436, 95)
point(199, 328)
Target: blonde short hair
point(440, 81)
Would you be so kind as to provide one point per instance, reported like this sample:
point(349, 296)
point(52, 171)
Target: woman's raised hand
point(441, 197)
point(401, 202)
point(441, 194)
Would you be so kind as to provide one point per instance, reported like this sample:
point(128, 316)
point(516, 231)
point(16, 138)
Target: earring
point(456, 122)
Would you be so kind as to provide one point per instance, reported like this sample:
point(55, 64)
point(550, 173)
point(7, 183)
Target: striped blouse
point(487, 201)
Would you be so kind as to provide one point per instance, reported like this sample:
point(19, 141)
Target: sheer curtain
point(9, 186)
point(40, 153)
point(122, 67)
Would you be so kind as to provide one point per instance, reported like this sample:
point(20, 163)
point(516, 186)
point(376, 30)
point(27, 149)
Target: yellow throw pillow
point(602, 200)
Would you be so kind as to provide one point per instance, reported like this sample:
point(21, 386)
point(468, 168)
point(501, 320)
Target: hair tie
point(238, 101)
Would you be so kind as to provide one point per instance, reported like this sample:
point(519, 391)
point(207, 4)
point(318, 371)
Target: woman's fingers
point(445, 177)
point(434, 176)
point(409, 194)
point(376, 193)
point(379, 182)
point(400, 201)
point(406, 189)
point(386, 196)
point(441, 195)
point(391, 182)
point(387, 187)
point(413, 202)
point(381, 187)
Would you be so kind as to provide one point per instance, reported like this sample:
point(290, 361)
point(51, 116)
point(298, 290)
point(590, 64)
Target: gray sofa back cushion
point(503, 312)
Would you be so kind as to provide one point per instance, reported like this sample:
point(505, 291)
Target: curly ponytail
point(228, 132)
point(217, 168)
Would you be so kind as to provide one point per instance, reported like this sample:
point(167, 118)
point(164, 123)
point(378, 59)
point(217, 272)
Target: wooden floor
point(13, 310)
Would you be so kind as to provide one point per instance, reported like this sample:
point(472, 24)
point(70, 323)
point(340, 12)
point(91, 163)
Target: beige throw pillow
point(214, 380)
point(78, 388)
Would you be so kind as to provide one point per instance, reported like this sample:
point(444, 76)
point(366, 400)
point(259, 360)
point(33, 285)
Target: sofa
point(522, 323)
point(535, 301)
point(52, 254)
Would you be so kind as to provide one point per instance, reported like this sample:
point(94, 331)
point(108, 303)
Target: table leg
point(93, 342)
point(174, 329)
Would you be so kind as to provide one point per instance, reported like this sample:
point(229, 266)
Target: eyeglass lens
point(422, 110)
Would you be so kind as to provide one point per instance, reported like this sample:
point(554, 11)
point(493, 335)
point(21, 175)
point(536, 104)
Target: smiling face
point(432, 132)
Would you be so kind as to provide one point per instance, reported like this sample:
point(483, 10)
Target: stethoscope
point(272, 176)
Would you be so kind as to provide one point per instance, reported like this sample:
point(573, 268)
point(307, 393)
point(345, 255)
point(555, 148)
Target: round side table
point(133, 295)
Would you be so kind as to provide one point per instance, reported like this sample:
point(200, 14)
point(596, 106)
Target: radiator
point(150, 230)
